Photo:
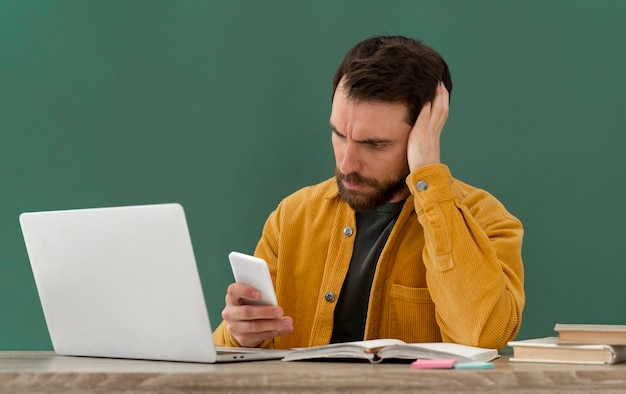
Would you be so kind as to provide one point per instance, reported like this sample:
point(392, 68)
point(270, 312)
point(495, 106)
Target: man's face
point(370, 143)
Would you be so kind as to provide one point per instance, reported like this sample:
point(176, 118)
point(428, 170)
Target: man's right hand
point(253, 324)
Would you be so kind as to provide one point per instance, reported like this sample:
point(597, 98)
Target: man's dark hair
point(393, 69)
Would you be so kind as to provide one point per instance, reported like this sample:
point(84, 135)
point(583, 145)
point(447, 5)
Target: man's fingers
point(251, 312)
point(251, 333)
point(238, 294)
point(255, 339)
point(434, 114)
point(441, 103)
point(260, 326)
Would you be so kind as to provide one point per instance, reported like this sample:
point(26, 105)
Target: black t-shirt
point(372, 230)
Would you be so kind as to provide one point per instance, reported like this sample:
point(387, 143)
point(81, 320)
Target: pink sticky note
point(424, 363)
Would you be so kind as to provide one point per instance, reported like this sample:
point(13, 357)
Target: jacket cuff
point(432, 184)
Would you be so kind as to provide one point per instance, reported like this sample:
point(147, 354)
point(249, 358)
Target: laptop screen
point(119, 282)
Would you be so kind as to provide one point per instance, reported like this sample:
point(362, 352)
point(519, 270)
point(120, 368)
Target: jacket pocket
point(411, 315)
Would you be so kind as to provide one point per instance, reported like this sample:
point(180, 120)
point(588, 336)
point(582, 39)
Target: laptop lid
point(121, 282)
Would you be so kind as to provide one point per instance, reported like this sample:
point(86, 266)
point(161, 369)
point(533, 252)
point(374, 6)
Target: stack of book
point(575, 343)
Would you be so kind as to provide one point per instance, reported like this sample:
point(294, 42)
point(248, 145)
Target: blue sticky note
point(474, 365)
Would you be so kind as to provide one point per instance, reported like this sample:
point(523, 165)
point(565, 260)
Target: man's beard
point(382, 194)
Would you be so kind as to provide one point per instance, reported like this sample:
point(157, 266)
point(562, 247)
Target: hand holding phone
point(253, 271)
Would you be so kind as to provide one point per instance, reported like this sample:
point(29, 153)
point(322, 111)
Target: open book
point(377, 350)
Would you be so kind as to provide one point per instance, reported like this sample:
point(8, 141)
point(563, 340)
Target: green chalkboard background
point(223, 106)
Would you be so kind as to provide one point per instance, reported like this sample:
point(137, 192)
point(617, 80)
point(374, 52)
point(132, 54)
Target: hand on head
point(423, 146)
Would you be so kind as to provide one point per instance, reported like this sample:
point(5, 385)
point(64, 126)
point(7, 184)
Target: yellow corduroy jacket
point(450, 271)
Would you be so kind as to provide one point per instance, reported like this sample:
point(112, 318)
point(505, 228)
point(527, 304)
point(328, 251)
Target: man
point(393, 246)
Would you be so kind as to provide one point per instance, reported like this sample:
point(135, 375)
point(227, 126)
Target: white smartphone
point(253, 271)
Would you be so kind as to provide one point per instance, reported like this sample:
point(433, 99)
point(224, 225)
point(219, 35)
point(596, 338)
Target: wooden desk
point(45, 372)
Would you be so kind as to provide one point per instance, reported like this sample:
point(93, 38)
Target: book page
point(439, 350)
point(369, 344)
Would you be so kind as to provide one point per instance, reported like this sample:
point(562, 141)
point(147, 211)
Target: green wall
point(223, 106)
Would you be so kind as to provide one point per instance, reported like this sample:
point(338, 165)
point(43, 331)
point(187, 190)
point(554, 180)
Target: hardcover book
point(547, 350)
point(604, 334)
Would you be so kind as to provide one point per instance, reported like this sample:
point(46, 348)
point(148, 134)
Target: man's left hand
point(423, 146)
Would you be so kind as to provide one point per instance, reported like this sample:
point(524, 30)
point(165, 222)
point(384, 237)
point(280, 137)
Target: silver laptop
point(122, 282)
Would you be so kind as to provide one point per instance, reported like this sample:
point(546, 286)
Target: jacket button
point(329, 296)
point(422, 186)
point(347, 231)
